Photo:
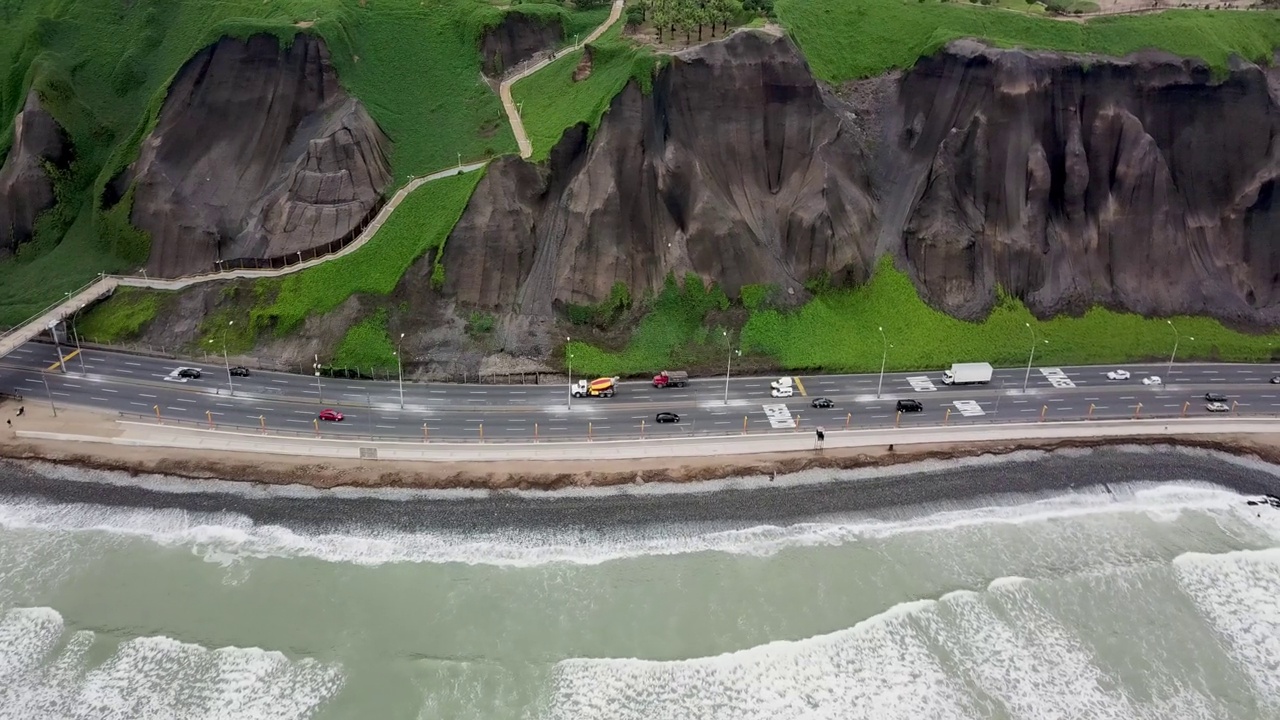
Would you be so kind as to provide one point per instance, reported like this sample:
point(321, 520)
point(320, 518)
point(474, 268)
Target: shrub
point(480, 323)
point(367, 345)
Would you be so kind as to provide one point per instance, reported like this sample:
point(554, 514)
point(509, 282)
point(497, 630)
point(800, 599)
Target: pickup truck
point(671, 378)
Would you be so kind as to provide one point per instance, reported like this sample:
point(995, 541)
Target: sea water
point(1138, 600)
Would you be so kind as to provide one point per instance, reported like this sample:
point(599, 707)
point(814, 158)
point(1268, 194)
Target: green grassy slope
point(102, 67)
point(847, 39)
point(551, 102)
point(838, 332)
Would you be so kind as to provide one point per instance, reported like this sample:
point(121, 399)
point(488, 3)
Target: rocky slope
point(258, 152)
point(737, 166)
point(516, 39)
point(26, 189)
point(1141, 183)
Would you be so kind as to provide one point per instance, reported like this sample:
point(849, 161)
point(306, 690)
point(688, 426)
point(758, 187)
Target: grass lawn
point(848, 39)
point(419, 225)
point(551, 102)
point(367, 346)
point(837, 332)
point(125, 315)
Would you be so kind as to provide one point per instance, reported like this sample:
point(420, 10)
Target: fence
point(282, 261)
point(587, 430)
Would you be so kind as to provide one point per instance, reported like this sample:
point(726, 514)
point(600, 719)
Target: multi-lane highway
point(290, 403)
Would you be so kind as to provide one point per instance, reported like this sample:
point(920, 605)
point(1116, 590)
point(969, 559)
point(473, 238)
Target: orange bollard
point(1043, 409)
point(946, 418)
point(262, 425)
point(744, 424)
point(642, 429)
point(157, 409)
point(1137, 412)
point(847, 418)
point(209, 414)
point(1233, 407)
point(1090, 415)
point(897, 419)
point(589, 438)
point(481, 432)
point(1185, 405)
point(316, 422)
point(796, 427)
point(535, 431)
point(425, 436)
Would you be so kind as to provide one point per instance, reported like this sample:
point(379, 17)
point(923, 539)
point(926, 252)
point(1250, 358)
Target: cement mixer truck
point(600, 387)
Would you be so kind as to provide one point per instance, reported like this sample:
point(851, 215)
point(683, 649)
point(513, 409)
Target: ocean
point(1121, 583)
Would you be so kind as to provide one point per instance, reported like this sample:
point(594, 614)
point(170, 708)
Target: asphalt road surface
point(285, 402)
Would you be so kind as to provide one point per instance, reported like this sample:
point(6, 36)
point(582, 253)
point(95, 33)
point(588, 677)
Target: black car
point(1275, 380)
point(239, 371)
point(1215, 397)
point(909, 406)
point(667, 417)
point(823, 403)
point(188, 372)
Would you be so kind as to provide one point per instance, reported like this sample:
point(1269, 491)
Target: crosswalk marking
point(969, 408)
point(922, 383)
point(779, 416)
point(1057, 378)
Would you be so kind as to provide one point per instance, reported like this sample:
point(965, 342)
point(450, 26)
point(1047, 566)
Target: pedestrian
point(890, 447)
point(22, 410)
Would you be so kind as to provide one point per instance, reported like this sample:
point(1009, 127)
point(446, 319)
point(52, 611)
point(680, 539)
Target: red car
point(332, 415)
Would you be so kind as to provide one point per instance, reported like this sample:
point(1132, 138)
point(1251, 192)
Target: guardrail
point(311, 253)
point(586, 432)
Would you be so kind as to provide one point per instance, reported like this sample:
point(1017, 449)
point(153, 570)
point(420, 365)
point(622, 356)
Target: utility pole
point(49, 392)
point(883, 358)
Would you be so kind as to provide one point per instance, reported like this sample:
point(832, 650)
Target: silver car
point(1217, 407)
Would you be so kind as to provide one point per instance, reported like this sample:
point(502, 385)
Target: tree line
point(671, 16)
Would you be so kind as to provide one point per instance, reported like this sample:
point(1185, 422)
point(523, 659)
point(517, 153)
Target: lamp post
point(884, 357)
point(568, 356)
point(76, 334)
point(728, 366)
point(319, 390)
point(400, 369)
point(1169, 370)
point(231, 389)
point(1027, 378)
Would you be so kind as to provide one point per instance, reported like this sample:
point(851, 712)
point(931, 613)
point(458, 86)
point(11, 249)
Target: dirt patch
point(583, 71)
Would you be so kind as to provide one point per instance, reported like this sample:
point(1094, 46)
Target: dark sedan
point(239, 371)
point(667, 417)
point(823, 403)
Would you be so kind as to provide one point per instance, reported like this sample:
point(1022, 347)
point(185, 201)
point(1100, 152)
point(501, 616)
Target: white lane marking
point(185, 400)
point(386, 427)
point(1057, 378)
point(437, 392)
point(223, 405)
point(280, 382)
point(175, 409)
point(110, 390)
point(146, 395)
point(304, 422)
point(24, 351)
point(126, 371)
point(99, 399)
point(478, 392)
point(67, 384)
point(779, 416)
point(969, 408)
point(304, 412)
point(921, 383)
point(137, 403)
point(517, 392)
point(133, 364)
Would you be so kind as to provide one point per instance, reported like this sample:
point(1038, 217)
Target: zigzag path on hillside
point(504, 90)
point(106, 284)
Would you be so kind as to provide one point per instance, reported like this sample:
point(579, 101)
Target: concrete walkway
point(135, 434)
point(504, 90)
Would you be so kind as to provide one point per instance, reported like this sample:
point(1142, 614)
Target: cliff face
point(1140, 183)
point(737, 167)
point(258, 152)
point(516, 39)
point(25, 187)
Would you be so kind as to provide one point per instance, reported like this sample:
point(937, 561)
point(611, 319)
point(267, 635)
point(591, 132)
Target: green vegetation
point(848, 39)
point(604, 313)
point(688, 16)
point(122, 318)
point(367, 346)
point(673, 333)
point(838, 332)
point(102, 67)
point(551, 102)
point(480, 324)
point(419, 225)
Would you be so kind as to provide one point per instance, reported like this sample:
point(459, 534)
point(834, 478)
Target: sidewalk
point(144, 435)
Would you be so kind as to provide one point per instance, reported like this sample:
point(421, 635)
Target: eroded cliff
point(516, 39)
point(258, 152)
point(26, 190)
point(1141, 183)
point(736, 166)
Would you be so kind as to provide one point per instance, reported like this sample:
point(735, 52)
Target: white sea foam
point(1239, 593)
point(878, 669)
point(157, 678)
point(228, 537)
point(1020, 655)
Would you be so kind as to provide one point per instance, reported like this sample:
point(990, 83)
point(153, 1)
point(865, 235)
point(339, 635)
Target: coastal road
point(289, 403)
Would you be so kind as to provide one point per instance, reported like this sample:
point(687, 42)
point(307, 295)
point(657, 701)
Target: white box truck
point(967, 374)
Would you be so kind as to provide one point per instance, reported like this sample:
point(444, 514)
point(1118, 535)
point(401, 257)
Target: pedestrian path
point(504, 90)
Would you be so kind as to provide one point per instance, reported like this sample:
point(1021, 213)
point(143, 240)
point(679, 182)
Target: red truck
point(671, 378)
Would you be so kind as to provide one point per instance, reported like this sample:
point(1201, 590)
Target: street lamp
point(729, 365)
point(231, 389)
point(884, 357)
point(1027, 378)
point(568, 356)
point(400, 369)
point(319, 390)
point(1169, 370)
point(76, 334)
